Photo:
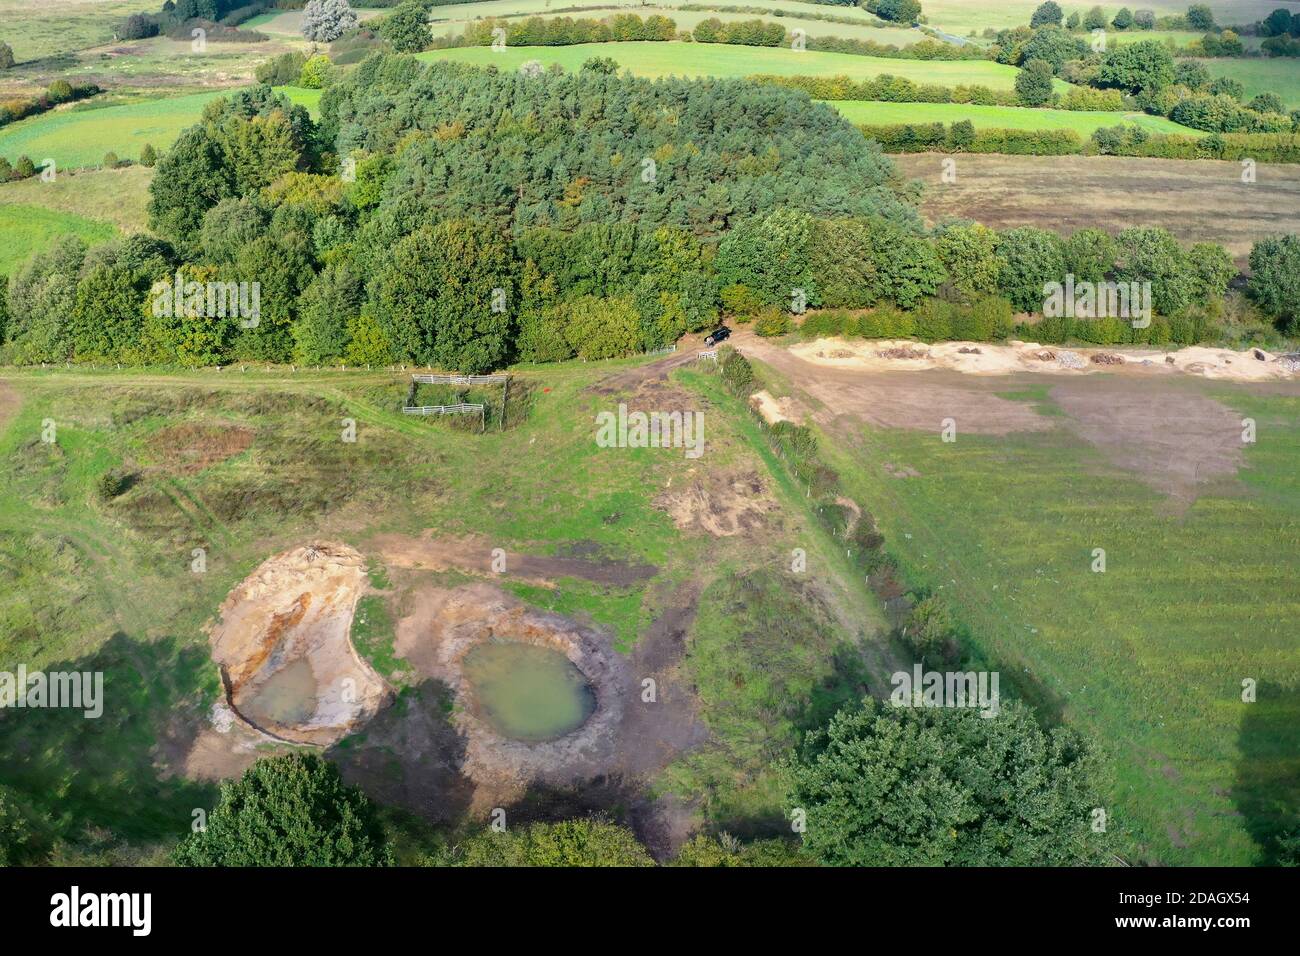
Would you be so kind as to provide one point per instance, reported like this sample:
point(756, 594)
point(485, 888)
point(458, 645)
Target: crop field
point(1114, 193)
point(1149, 654)
point(716, 59)
point(1083, 122)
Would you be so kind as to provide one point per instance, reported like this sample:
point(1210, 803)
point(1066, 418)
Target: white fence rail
point(461, 409)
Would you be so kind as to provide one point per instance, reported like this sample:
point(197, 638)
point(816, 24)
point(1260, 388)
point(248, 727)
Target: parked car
point(717, 335)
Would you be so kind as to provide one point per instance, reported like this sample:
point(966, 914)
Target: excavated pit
point(282, 645)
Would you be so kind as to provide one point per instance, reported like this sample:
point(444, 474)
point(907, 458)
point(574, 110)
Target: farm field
point(687, 20)
point(43, 29)
point(80, 137)
point(25, 229)
point(962, 16)
point(1278, 75)
point(716, 59)
point(1150, 654)
point(1113, 193)
point(1000, 117)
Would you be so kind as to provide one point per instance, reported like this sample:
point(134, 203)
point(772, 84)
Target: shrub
point(148, 156)
point(112, 483)
point(603, 328)
point(1275, 279)
point(1034, 83)
point(772, 321)
point(288, 811)
point(315, 73)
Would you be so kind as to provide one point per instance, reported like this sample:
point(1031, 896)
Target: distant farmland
point(1000, 117)
point(1198, 201)
point(716, 59)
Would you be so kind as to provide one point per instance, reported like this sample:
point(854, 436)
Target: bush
point(148, 156)
point(288, 811)
point(772, 321)
point(112, 483)
point(1275, 279)
point(603, 328)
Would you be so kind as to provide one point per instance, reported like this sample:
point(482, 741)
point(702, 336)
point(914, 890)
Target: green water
point(528, 692)
point(287, 697)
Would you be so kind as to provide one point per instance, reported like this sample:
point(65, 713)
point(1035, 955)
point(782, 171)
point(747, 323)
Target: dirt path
point(10, 402)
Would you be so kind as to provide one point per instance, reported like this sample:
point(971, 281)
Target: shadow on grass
point(1267, 788)
point(110, 772)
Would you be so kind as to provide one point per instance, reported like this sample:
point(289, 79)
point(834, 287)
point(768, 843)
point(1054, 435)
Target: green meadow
point(25, 229)
point(722, 60)
point(1150, 656)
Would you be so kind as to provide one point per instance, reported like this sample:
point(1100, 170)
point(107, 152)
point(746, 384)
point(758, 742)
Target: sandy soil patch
point(474, 553)
point(282, 644)
point(188, 449)
point(719, 504)
point(1173, 439)
point(1250, 365)
point(773, 409)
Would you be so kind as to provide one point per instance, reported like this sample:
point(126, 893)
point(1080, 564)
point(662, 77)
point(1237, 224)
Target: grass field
point(1000, 117)
point(25, 229)
point(80, 137)
point(963, 16)
point(59, 26)
point(1278, 75)
point(1148, 657)
point(694, 60)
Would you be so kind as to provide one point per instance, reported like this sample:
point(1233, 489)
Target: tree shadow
point(410, 755)
point(1266, 791)
point(114, 772)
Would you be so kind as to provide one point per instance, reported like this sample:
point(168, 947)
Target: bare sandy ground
point(1148, 417)
point(981, 358)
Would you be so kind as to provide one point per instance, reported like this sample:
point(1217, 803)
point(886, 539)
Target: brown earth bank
point(1196, 200)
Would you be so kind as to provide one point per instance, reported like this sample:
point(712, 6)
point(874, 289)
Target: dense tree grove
point(465, 218)
point(934, 786)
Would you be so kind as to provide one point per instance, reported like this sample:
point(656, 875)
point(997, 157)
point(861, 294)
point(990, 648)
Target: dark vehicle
point(717, 335)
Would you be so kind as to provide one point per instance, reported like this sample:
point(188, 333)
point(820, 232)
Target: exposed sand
point(284, 632)
point(981, 358)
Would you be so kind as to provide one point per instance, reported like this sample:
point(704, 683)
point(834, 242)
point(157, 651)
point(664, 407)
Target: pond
point(287, 698)
point(528, 692)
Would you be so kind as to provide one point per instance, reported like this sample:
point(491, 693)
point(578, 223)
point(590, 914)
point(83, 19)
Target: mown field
point(1149, 656)
point(716, 59)
point(1001, 117)
point(26, 228)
